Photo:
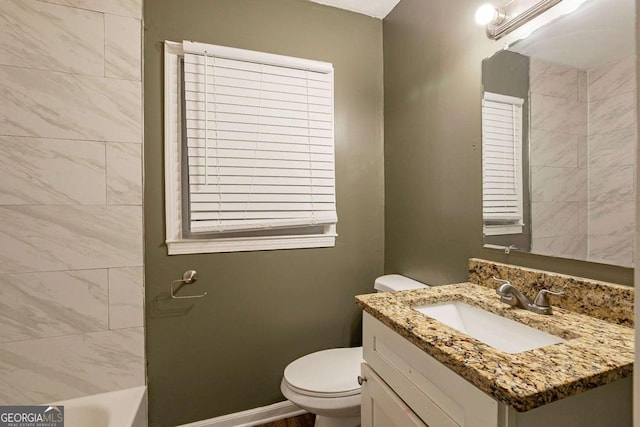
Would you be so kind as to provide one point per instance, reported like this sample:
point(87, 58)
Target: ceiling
point(599, 32)
point(375, 8)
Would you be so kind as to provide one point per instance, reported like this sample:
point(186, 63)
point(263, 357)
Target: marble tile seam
point(70, 139)
point(137, 15)
point(64, 270)
point(78, 334)
point(69, 73)
point(69, 270)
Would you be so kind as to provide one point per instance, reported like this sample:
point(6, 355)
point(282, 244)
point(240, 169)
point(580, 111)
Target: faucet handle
point(542, 300)
point(504, 282)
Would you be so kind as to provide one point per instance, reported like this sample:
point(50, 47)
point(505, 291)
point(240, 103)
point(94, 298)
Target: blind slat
point(323, 91)
point(196, 155)
point(282, 215)
point(259, 109)
point(258, 119)
point(221, 99)
point(197, 129)
point(262, 198)
point(297, 181)
point(258, 173)
point(281, 191)
point(193, 139)
point(257, 221)
point(200, 209)
point(318, 98)
point(199, 146)
point(259, 165)
point(234, 64)
point(316, 80)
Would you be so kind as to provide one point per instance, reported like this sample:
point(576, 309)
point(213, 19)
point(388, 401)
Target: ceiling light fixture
point(500, 21)
point(489, 14)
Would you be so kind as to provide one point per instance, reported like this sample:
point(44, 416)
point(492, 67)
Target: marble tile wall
point(611, 158)
point(583, 143)
point(558, 159)
point(71, 276)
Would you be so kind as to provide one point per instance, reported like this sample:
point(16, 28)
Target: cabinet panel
point(381, 407)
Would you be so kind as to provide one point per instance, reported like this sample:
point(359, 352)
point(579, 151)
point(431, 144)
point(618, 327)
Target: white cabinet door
point(381, 407)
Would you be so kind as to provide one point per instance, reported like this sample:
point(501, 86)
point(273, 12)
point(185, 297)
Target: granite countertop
point(595, 352)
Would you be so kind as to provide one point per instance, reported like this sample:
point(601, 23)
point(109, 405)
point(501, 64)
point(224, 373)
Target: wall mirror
point(559, 138)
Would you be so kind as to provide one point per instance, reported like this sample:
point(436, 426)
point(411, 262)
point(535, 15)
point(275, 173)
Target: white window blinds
point(259, 140)
point(502, 159)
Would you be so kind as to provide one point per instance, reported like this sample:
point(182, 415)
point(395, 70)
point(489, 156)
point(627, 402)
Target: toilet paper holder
point(188, 277)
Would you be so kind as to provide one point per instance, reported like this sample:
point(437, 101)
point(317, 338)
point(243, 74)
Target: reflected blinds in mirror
point(502, 164)
point(259, 140)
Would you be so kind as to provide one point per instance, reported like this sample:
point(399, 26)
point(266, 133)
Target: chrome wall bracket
point(188, 277)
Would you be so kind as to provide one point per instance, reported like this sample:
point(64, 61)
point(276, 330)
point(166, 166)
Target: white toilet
point(325, 383)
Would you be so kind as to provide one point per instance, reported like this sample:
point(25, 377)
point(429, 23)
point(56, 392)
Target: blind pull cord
point(219, 227)
point(255, 149)
point(213, 136)
point(314, 219)
point(515, 153)
point(206, 120)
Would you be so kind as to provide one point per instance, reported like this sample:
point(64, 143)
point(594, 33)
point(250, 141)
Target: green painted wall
point(226, 352)
point(433, 190)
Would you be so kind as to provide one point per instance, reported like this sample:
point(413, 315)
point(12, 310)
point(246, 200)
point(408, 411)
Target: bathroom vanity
point(419, 371)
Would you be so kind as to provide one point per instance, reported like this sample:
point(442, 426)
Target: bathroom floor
point(305, 420)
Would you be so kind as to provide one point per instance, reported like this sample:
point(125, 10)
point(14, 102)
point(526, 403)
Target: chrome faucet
point(511, 295)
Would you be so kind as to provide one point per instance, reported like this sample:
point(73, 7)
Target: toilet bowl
point(325, 383)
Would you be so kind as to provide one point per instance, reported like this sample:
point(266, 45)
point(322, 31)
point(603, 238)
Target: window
point(249, 150)
point(502, 209)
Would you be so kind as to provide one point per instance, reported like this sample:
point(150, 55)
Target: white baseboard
point(252, 417)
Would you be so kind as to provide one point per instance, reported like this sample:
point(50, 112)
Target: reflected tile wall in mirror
point(611, 158)
point(558, 176)
point(583, 141)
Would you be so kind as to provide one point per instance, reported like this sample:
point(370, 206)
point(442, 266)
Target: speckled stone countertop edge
point(597, 354)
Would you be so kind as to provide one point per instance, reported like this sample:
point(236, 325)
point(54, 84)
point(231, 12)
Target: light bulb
point(486, 14)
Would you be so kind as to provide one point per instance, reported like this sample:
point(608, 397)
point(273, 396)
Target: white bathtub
point(122, 408)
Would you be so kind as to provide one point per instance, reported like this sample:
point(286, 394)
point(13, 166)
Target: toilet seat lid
point(327, 371)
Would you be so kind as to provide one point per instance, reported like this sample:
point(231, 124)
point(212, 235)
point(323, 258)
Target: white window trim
point(176, 244)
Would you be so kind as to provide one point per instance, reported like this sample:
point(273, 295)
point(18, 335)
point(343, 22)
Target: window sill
point(242, 244)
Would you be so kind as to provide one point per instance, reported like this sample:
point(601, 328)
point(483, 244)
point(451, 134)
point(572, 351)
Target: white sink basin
point(499, 332)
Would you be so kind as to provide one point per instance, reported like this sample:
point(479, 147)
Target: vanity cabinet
point(405, 386)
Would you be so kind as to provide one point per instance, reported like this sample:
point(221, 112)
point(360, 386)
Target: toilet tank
point(396, 282)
